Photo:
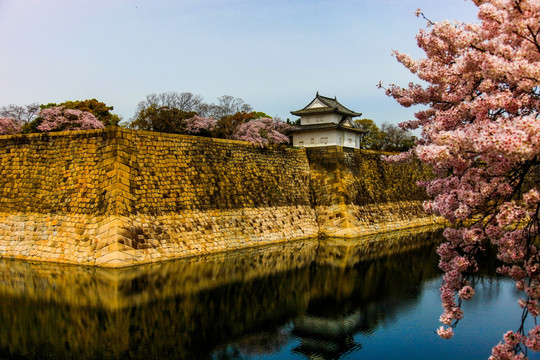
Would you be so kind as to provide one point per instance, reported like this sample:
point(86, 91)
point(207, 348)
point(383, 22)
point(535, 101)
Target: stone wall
point(55, 192)
point(355, 192)
point(117, 197)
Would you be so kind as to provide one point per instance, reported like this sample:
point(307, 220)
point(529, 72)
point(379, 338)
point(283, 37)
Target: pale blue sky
point(274, 54)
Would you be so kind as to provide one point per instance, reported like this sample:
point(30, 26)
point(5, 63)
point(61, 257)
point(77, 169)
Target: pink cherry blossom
point(481, 135)
point(60, 119)
point(445, 333)
point(512, 338)
point(262, 132)
point(533, 339)
point(466, 293)
point(197, 124)
point(9, 126)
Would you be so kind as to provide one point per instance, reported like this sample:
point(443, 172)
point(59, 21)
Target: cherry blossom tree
point(99, 109)
point(262, 132)
point(481, 135)
point(200, 125)
point(60, 119)
point(9, 126)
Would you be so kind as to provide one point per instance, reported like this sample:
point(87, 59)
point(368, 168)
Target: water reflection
point(310, 296)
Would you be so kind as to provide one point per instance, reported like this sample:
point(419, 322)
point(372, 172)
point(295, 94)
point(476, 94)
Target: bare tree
point(229, 105)
point(395, 138)
point(22, 114)
point(184, 101)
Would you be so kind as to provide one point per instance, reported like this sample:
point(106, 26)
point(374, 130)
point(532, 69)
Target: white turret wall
point(320, 119)
point(329, 137)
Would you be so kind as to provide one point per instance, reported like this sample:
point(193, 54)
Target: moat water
point(369, 298)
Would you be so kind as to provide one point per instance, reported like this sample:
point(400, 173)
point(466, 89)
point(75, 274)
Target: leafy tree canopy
point(293, 122)
point(373, 139)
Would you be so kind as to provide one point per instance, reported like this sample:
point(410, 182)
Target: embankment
point(355, 192)
point(118, 197)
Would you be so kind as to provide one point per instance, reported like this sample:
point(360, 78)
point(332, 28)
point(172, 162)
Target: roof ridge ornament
point(329, 106)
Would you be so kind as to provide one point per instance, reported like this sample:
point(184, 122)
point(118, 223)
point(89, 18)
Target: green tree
point(32, 126)
point(293, 122)
point(260, 115)
point(372, 140)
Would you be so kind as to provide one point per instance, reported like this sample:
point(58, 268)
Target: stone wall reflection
point(119, 288)
point(225, 303)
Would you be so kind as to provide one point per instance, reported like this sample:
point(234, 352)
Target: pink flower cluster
point(513, 341)
point(399, 158)
point(9, 126)
point(481, 135)
point(197, 124)
point(60, 119)
point(262, 132)
point(445, 333)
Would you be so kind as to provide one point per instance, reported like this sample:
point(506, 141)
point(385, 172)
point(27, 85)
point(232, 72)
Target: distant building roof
point(314, 127)
point(330, 106)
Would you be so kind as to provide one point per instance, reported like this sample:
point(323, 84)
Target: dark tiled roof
point(317, 110)
point(332, 105)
